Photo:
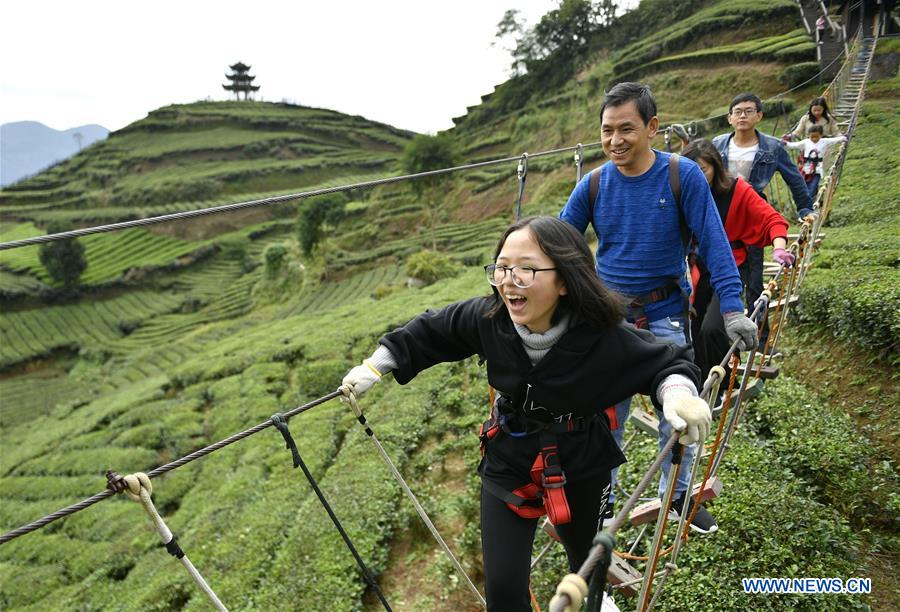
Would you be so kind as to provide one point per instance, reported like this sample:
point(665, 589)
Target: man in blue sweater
point(641, 252)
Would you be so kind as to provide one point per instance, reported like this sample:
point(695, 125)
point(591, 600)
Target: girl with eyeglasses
point(557, 353)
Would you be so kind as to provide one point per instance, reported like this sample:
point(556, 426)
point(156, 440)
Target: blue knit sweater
point(640, 246)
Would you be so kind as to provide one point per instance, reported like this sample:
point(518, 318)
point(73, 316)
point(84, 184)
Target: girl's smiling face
point(533, 306)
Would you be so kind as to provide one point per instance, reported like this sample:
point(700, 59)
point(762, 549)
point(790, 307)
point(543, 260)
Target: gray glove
point(739, 326)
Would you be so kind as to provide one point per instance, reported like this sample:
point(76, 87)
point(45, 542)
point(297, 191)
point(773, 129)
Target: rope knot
point(574, 589)
point(350, 399)
point(134, 483)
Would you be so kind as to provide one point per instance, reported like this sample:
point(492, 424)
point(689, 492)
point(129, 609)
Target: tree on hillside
point(64, 260)
point(316, 217)
point(561, 36)
point(424, 153)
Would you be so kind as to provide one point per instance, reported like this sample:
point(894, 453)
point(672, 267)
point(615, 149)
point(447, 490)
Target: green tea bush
point(822, 445)
point(769, 526)
point(862, 306)
point(274, 257)
point(796, 74)
point(430, 266)
point(314, 379)
point(382, 291)
point(710, 19)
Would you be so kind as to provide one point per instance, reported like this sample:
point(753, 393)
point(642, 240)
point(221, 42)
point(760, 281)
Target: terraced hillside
point(192, 155)
point(184, 334)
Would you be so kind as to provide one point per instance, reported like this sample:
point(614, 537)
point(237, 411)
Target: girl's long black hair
point(587, 298)
point(819, 102)
point(704, 149)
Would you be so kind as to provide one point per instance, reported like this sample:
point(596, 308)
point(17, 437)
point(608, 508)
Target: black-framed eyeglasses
point(744, 112)
point(522, 276)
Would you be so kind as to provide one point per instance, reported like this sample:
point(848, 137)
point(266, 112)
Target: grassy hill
point(201, 154)
point(187, 333)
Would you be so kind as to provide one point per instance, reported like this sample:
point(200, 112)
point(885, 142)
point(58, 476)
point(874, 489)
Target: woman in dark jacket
point(557, 353)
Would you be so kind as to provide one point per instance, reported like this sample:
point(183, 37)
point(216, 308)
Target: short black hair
point(626, 92)
point(746, 97)
point(813, 129)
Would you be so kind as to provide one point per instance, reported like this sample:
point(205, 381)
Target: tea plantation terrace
point(26, 344)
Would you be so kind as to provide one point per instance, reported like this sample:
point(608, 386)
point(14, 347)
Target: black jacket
point(585, 372)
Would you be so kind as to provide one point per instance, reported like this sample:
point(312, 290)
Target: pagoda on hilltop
point(240, 81)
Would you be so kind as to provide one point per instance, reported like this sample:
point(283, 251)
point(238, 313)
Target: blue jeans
point(671, 329)
point(813, 186)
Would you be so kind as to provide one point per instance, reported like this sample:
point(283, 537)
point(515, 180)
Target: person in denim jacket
point(756, 157)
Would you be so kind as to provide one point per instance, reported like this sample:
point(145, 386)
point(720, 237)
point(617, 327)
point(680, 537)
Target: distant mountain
point(27, 147)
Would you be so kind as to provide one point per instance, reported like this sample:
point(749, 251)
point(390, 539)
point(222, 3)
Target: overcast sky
point(414, 64)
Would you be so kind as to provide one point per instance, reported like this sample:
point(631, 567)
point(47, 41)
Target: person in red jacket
point(748, 220)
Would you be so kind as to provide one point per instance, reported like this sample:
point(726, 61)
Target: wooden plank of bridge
point(646, 422)
point(648, 512)
point(791, 301)
point(767, 372)
point(620, 571)
point(754, 388)
point(792, 237)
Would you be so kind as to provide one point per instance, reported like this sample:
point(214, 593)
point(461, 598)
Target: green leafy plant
point(796, 74)
point(425, 153)
point(316, 216)
point(64, 260)
point(430, 266)
point(274, 257)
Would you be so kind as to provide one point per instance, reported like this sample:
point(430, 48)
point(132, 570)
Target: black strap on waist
point(533, 426)
point(508, 496)
point(656, 295)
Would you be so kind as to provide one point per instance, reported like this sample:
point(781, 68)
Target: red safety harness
point(546, 493)
point(807, 165)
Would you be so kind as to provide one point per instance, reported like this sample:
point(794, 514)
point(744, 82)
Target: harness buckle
point(553, 481)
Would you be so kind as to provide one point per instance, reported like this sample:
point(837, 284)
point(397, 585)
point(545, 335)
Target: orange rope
point(735, 361)
point(770, 340)
point(713, 449)
point(788, 289)
point(534, 601)
point(673, 477)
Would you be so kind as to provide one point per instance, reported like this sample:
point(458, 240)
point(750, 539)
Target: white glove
point(361, 378)
point(686, 413)
point(739, 326)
